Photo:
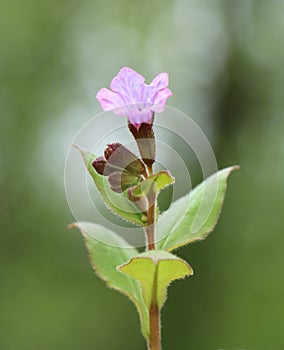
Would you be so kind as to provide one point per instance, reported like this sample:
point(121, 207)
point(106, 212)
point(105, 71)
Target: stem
point(155, 324)
point(150, 238)
point(150, 229)
point(154, 312)
point(155, 328)
point(150, 168)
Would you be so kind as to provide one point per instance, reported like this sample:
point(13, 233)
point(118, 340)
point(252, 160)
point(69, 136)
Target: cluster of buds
point(121, 166)
point(124, 169)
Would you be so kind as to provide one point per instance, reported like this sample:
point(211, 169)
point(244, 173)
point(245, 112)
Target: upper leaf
point(105, 259)
point(155, 270)
point(154, 183)
point(118, 203)
point(195, 215)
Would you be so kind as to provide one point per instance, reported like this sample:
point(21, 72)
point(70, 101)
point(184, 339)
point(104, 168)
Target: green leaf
point(155, 183)
point(194, 216)
point(106, 257)
point(155, 270)
point(118, 203)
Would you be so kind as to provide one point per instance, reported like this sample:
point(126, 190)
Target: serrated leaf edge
point(232, 168)
point(141, 307)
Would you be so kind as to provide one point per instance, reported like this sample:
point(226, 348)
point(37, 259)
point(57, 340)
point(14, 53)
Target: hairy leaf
point(194, 216)
point(106, 257)
point(155, 270)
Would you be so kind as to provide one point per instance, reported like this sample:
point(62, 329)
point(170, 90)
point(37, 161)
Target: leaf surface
point(155, 270)
point(194, 216)
point(105, 258)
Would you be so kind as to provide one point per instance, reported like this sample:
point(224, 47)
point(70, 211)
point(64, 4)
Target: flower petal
point(128, 83)
point(160, 99)
point(147, 94)
point(109, 100)
point(161, 81)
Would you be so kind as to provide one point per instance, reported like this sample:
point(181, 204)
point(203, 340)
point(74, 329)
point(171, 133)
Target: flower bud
point(122, 167)
point(102, 167)
point(99, 165)
point(111, 148)
point(120, 157)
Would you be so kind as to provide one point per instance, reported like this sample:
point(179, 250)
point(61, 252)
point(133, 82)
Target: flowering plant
point(131, 182)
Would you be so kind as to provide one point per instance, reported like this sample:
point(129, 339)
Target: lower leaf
point(105, 259)
point(155, 270)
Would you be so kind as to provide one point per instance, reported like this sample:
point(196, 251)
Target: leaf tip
point(236, 167)
point(80, 149)
point(76, 146)
point(78, 226)
point(72, 225)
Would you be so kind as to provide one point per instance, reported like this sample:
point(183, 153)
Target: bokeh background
point(225, 60)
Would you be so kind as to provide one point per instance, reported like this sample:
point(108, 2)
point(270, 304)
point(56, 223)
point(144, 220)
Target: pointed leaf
point(195, 215)
point(155, 270)
point(105, 259)
point(118, 203)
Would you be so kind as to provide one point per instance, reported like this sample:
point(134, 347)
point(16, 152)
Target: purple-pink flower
point(131, 97)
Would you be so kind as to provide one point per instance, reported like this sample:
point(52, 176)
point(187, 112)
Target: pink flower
point(131, 97)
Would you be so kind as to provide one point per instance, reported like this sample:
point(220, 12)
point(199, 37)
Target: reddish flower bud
point(111, 148)
point(120, 157)
point(102, 167)
point(99, 165)
point(122, 167)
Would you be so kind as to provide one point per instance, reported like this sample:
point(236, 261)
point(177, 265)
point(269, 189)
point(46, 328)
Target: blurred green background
point(226, 65)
